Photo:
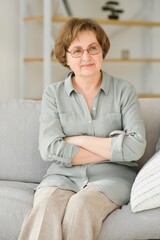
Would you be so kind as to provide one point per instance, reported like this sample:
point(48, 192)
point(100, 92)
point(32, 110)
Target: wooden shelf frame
point(99, 20)
point(148, 95)
point(132, 60)
point(48, 20)
point(110, 60)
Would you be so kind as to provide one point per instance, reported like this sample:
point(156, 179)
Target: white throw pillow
point(145, 192)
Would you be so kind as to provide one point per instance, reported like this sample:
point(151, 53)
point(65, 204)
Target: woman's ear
point(67, 65)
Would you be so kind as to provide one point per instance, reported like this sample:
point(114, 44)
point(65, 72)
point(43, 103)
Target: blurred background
point(28, 29)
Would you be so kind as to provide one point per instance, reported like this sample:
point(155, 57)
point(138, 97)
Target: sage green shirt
point(115, 113)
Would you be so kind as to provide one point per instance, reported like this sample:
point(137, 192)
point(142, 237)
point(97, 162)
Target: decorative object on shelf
point(67, 7)
point(112, 7)
point(125, 53)
point(61, 8)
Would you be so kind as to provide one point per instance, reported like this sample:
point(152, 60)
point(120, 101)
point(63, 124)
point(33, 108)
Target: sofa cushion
point(151, 110)
point(145, 192)
point(16, 199)
point(158, 146)
point(123, 224)
point(19, 129)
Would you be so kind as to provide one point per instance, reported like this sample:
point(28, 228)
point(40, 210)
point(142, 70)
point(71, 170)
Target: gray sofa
point(21, 169)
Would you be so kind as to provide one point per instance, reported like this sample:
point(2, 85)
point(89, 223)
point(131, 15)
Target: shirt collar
point(106, 78)
point(68, 83)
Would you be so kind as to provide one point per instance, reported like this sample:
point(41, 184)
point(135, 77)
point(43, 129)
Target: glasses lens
point(94, 49)
point(77, 52)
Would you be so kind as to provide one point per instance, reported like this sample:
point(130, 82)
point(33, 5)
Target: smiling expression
point(87, 64)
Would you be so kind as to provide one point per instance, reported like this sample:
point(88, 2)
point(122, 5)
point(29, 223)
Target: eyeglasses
point(92, 50)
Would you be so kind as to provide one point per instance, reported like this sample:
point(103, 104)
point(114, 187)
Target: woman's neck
point(88, 84)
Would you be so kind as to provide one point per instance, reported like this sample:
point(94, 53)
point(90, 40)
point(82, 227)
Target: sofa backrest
point(19, 156)
point(151, 113)
point(20, 159)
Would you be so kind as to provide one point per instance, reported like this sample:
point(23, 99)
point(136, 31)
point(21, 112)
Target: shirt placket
point(88, 116)
point(94, 106)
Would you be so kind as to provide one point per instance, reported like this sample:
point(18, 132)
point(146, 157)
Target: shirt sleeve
point(129, 145)
point(51, 137)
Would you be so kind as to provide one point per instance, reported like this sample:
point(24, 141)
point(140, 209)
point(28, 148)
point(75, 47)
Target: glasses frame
point(87, 49)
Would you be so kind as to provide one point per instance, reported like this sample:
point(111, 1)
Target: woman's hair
point(69, 32)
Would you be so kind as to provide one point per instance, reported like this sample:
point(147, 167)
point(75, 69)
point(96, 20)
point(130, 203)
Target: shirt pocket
point(68, 123)
point(107, 123)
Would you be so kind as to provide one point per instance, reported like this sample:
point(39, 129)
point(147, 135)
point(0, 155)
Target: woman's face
point(87, 64)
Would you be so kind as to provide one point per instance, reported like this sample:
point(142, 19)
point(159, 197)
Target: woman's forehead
point(84, 38)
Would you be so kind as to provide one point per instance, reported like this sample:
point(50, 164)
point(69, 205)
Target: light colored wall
point(9, 49)
point(141, 42)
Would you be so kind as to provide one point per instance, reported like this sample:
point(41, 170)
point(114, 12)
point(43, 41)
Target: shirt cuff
point(66, 160)
point(117, 142)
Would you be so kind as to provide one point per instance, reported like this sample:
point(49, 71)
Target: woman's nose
point(86, 54)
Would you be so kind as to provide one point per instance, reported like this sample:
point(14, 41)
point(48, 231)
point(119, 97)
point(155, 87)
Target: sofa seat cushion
point(16, 199)
point(123, 224)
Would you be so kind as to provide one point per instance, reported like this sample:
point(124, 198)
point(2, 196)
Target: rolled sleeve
point(129, 145)
point(63, 154)
point(51, 137)
point(117, 143)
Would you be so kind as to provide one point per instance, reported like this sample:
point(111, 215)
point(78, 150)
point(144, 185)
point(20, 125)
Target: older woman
point(92, 130)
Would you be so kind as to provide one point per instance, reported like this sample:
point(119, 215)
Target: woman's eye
point(92, 49)
point(77, 51)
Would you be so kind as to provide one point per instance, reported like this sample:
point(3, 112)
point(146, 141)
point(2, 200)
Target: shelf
point(99, 20)
point(33, 59)
point(46, 62)
point(112, 22)
point(130, 60)
point(32, 19)
point(148, 95)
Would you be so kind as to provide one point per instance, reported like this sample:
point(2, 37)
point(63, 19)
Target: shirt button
point(89, 121)
point(94, 108)
point(49, 155)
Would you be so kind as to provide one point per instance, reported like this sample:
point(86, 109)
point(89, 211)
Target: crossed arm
point(91, 149)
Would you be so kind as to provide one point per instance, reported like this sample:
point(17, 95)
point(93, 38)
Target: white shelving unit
point(46, 20)
point(47, 38)
point(23, 73)
point(47, 43)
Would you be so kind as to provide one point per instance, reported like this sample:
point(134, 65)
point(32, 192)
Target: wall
point(152, 73)
point(141, 42)
point(9, 49)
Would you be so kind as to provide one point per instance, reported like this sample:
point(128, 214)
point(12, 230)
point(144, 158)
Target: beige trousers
point(65, 215)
